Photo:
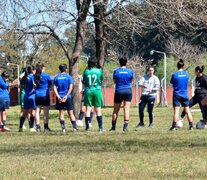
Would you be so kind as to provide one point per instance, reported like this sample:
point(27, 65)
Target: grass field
point(143, 154)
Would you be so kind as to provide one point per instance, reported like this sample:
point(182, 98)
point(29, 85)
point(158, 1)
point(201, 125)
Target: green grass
point(144, 154)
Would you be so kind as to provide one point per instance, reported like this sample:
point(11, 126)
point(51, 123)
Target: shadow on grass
point(65, 145)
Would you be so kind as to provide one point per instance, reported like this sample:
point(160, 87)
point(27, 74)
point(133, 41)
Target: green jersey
point(92, 78)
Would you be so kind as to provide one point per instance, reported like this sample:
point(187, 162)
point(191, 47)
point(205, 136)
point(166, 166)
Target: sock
point(126, 122)
point(2, 126)
point(46, 126)
point(4, 122)
point(141, 117)
point(190, 124)
point(91, 117)
point(37, 126)
point(81, 114)
point(62, 123)
point(21, 123)
point(31, 122)
point(87, 122)
point(113, 124)
point(174, 124)
point(74, 124)
point(100, 123)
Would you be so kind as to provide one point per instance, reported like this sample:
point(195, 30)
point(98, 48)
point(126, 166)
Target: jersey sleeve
point(70, 80)
point(157, 82)
point(55, 82)
point(3, 85)
point(141, 81)
point(114, 74)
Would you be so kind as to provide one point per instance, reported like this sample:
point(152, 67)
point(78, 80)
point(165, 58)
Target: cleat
point(173, 129)
point(101, 130)
point(47, 130)
point(90, 125)
point(3, 130)
point(140, 125)
point(112, 129)
point(75, 130)
point(24, 127)
point(79, 123)
point(32, 130)
point(64, 130)
point(151, 125)
point(38, 130)
point(125, 129)
point(6, 128)
point(191, 128)
point(21, 129)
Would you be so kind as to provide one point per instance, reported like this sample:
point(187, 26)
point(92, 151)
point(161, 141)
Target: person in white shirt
point(150, 84)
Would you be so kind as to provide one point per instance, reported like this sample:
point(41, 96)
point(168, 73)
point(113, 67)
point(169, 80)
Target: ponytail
point(180, 64)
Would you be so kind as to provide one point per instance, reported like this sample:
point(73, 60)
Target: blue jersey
point(29, 88)
point(179, 80)
point(63, 82)
point(4, 89)
point(43, 85)
point(123, 78)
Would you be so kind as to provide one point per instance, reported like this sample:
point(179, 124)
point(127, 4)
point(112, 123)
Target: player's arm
point(141, 83)
point(70, 81)
point(156, 85)
point(55, 88)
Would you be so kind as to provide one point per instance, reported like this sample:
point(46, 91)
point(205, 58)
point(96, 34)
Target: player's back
point(92, 78)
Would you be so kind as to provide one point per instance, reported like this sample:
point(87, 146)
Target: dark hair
point(28, 71)
point(38, 72)
point(92, 62)
point(180, 64)
point(5, 74)
point(123, 61)
point(151, 66)
point(200, 68)
point(62, 68)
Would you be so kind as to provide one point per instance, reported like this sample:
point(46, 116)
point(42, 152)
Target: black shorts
point(123, 95)
point(178, 100)
point(2, 104)
point(42, 101)
point(67, 105)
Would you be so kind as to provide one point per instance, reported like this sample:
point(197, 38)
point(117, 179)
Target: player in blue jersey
point(63, 86)
point(42, 96)
point(150, 84)
point(123, 93)
point(29, 98)
point(3, 86)
point(5, 77)
point(179, 81)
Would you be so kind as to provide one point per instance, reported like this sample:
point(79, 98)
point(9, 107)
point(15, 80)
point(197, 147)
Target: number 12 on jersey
point(92, 79)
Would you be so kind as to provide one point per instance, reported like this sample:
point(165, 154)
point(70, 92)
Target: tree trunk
point(82, 8)
point(100, 28)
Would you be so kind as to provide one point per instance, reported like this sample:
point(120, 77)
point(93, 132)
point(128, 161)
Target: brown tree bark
point(100, 28)
point(83, 8)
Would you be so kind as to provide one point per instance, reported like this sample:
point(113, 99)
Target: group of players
point(35, 85)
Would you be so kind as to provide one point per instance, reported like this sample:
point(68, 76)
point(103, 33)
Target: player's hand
point(60, 99)
point(64, 99)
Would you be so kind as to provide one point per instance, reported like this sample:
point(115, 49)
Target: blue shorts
point(123, 95)
point(42, 101)
point(2, 104)
point(67, 105)
point(178, 100)
point(7, 104)
point(29, 103)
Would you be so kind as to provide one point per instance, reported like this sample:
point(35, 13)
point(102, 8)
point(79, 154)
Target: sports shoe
point(24, 127)
point(140, 125)
point(90, 125)
point(79, 123)
point(21, 129)
point(173, 129)
point(38, 130)
point(3, 130)
point(32, 130)
point(101, 130)
point(125, 129)
point(191, 128)
point(6, 128)
point(112, 129)
point(151, 125)
point(64, 130)
point(47, 130)
point(75, 129)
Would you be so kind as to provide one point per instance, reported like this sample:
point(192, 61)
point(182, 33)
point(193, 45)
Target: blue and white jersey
point(152, 84)
point(179, 81)
point(63, 82)
point(43, 85)
point(123, 77)
point(29, 88)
